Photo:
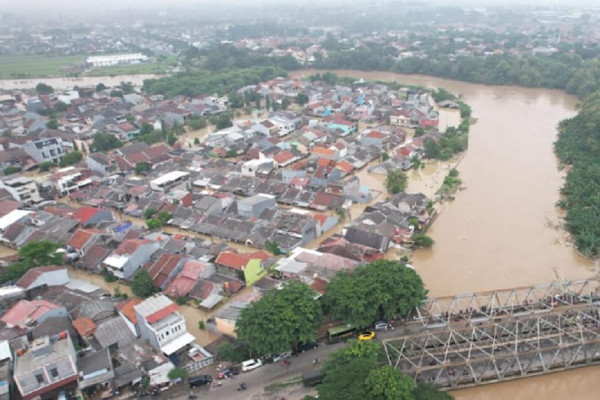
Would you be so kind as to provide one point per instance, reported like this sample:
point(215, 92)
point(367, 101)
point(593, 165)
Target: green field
point(35, 66)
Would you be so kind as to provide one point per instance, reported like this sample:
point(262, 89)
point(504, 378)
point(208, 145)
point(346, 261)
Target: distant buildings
point(115, 59)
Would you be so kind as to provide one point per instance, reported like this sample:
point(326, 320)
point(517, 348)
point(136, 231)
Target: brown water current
point(500, 232)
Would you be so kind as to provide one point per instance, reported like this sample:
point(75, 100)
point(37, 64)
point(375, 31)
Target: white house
point(129, 257)
point(161, 323)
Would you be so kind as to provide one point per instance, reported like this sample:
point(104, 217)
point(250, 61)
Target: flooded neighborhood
point(270, 201)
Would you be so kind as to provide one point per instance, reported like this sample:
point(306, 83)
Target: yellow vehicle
point(366, 335)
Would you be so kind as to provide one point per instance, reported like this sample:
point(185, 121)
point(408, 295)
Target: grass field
point(35, 66)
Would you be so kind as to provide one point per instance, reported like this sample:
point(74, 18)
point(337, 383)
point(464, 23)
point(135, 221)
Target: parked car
point(366, 335)
point(283, 356)
point(249, 365)
point(302, 347)
point(381, 326)
point(228, 372)
point(199, 380)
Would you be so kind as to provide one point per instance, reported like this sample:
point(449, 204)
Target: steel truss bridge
point(520, 332)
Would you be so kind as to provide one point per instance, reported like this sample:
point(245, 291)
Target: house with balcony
point(22, 189)
point(46, 367)
point(161, 323)
point(69, 179)
point(129, 257)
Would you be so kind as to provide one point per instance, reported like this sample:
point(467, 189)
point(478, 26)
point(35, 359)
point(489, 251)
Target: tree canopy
point(206, 82)
point(105, 141)
point(381, 290)
point(280, 320)
point(396, 181)
point(34, 254)
point(71, 158)
point(387, 383)
point(141, 284)
point(42, 88)
point(358, 372)
point(578, 145)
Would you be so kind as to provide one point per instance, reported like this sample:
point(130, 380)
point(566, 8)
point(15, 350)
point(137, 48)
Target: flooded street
point(498, 232)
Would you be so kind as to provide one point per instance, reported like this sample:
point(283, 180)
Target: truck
point(312, 378)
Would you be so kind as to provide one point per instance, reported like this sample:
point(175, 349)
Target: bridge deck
point(515, 338)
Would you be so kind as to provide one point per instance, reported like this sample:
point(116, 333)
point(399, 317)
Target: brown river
point(500, 232)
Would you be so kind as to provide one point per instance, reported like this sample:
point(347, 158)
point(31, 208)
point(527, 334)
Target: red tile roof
point(81, 237)
point(319, 285)
point(322, 150)
point(321, 218)
point(163, 267)
point(84, 214)
point(233, 260)
point(344, 166)
point(129, 246)
point(34, 273)
point(6, 206)
point(126, 308)
point(25, 311)
point(84, 326)
point(162, 313)
point(376, 135)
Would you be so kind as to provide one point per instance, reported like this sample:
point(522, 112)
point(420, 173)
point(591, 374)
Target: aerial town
point(283, 208)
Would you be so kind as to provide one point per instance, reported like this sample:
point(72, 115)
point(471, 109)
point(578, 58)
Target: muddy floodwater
point(69, 83)
point(501, 231)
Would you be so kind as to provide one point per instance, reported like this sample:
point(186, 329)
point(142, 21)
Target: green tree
point(421, 240)
point(46, 165)
point(267, 103)
point(347, 369)
point(149, 213)
point(100, 87)
point(196, 141)
point(396, 181)
point(141, 284)
point(432, 149)
point(42, 253)
point(11, 170)
point(105, 141)
point(177, 373)
point(60, 106)
point(126, 87)
point(223, 121)
point(302, 99)
point(196, 123)
point(272, 247)
point(235, 352)
point(381, 290)
point(52, 124)
point(142, 167)
point(387, 383)
point(427, 391)
point(171, 139)
point(285, 103)
point(347, 381)
point(71, 158)
point(146, 128)
point(291, 314)
point(419, 132)
point(42, 88)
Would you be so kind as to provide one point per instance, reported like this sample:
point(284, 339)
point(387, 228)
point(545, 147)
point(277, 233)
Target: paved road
point(263, 382)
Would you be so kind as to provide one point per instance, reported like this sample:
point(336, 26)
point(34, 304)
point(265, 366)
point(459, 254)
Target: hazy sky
point(32, 6)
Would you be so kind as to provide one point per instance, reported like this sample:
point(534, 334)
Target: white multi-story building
point(161, 323)
point(22, 189)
